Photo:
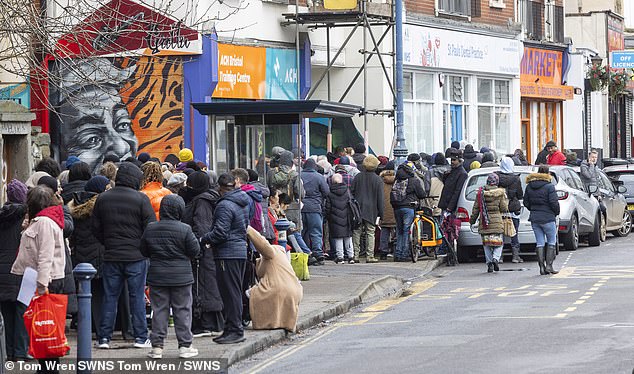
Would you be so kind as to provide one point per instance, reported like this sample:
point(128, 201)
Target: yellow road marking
point(561, 315)
point(571, 309)
point(594, 289)
point(585, 297)
point(589, 293)
point(476, 295)
point(579, 302)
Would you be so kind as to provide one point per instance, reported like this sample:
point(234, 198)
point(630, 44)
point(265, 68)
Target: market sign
point(124, 27)
point(439, 48)
point(541, 75)
point(246, 72)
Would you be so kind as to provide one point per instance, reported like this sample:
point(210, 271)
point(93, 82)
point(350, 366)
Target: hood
point(212, 196)
point(538, 180)
point(487, 157)
point(129, 175)
point(172, 208)
point(310, 165)
point(388, 176)
point(264, 190)
point(404, 172)
point(56, 213)
point(494, 191)
point(11, 212)
point(339, 189)
point(286, 158)
point(370, 163)
point(506, 165)
point(82, 205)
point(238, 197)
point(253, 193)
point(469, 152)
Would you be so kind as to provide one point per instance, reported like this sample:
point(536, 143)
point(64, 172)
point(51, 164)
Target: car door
point(585, 202)
point(608, 195)
point(617, 201)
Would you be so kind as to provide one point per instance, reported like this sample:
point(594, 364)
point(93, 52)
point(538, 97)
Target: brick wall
point(488, 15)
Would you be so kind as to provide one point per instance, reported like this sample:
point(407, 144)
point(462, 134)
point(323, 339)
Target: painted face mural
point(117, 106)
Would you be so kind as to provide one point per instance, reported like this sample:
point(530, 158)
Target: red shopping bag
point(45, 321)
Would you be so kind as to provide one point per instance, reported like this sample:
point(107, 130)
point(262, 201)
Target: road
point(463, 320)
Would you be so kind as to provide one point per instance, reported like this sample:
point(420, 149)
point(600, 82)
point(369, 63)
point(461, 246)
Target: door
point(526, 139)
point(585, 203)
point(614, 202)
point(456, 122)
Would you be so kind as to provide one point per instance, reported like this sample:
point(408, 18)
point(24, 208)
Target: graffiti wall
point(116, 106)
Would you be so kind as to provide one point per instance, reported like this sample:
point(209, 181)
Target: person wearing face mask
point(92, 122)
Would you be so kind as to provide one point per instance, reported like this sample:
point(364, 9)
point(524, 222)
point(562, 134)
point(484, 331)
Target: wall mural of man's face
point(97, 124)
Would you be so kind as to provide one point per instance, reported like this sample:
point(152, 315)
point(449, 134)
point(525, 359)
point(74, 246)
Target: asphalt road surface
point(463, 320)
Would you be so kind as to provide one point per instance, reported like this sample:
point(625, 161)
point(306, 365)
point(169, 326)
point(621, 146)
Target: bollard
point(84, 273)
point(282, 225)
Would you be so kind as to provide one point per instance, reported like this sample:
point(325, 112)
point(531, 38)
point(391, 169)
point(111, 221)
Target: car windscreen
point(628, 181)
point(477, 181)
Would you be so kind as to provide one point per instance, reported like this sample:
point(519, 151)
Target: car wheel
point(604, 229)
point(594, 238)
point(571, 239)
point(626, 225)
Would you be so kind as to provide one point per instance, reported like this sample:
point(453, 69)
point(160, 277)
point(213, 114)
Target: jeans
point(404, 218)
point(384, 245)
point(16, 337)
point(313, 232)
point(491, 252)
point(366, 230)
point(114, 276)
point(515, 240)
point(298, 243)
point(545, 233)
point(340, 243)
point(179, 299)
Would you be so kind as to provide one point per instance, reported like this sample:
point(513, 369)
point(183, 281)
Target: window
point(456, 7)
point(531, 15)
point(418, 111)
point(497, 4)
point(607, 183)
point(494, 115)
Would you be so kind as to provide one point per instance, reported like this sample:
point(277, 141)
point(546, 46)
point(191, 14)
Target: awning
point(305, 108)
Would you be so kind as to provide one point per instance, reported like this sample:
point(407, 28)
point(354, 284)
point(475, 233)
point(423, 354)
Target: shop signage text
point(541, 64)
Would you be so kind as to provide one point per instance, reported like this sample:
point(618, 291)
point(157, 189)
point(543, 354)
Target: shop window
point(455, 89)
point(502, 92)
point(407, 86)
point(494, 115)
point(424, 87)
point(484, 90)
point(418, 112)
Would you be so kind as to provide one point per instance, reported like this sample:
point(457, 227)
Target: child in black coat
point(338, 213)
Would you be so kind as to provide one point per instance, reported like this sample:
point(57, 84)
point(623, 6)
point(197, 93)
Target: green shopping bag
point(299, 261)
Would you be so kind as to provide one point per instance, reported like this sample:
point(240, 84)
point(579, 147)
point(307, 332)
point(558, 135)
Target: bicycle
point(424, 233)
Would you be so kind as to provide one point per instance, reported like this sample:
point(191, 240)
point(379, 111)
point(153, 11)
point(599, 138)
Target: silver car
point(576, 205)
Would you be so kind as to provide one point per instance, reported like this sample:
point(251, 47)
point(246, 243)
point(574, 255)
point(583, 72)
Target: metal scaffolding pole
point(400, 149)
point(365, 78)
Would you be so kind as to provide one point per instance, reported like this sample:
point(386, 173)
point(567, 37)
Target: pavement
point(464, 320)
point(333, 289)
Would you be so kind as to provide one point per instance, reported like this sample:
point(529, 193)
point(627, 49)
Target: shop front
point(460, 86)
point(543, 91)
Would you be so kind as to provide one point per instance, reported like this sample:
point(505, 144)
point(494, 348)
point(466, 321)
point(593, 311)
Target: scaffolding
point(368, 16)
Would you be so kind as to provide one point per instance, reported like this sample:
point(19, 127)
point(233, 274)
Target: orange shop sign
point(241, 72)
point(542, 65)
point(546, 91)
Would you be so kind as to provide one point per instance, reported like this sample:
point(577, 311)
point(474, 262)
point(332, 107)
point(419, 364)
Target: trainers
point(201, 333)
point(140, 344)
point(187, 352)
point(339, 260)
point(351, 261)
point(156, 353)
point(103, 344)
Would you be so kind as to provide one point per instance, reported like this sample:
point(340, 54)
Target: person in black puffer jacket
point(78, 175)
point(12, 216)
point(407, 190)
point(453, 183)
point(83, 244)
point(470, 155)
point(228, 239)
point(338, 214)
point(171, 246)
point(541, 199)
point(513, 186)
point(199, 214)
point(120, 217)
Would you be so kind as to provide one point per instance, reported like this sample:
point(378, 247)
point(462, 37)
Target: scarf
point(485, 220)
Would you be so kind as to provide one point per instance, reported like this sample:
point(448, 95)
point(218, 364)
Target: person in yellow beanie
point(185, 155)
point(475, 165)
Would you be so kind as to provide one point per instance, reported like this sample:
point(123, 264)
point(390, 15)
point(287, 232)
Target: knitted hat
point(143, 157)
point(176, 179)
point(455, 144)
point(97, 184)
point(185, 155)
point(475, 165)
point(370, 163)
point(71, 160)
point(493, 179)
point(383, 160)
point(34, 179)
point(49, 182)
point(551, 144)
point(413, 157)
point(16, 192)
point(344, 160)
point(198, 181)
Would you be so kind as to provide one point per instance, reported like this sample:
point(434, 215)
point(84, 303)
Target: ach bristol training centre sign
point(622, 59)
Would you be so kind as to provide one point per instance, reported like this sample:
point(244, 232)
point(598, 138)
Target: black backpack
point(355, 212)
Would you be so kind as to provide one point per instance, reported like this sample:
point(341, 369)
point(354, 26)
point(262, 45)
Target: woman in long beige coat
point(274, 300)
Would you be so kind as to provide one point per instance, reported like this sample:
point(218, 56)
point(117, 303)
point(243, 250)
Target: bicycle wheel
point(414, 241)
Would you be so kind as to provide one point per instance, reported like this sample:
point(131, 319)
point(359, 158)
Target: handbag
point(45, 320)
point(299, 262)
point(509, 227)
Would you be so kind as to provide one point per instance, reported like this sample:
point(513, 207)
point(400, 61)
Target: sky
point(628, 9)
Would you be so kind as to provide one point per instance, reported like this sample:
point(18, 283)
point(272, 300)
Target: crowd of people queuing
point(188, 234)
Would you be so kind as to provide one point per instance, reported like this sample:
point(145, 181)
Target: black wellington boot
point(540, 260)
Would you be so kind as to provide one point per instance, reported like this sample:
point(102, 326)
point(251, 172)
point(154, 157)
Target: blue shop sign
point(281, 74)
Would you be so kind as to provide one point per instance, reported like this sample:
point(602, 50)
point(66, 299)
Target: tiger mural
point(116, 107)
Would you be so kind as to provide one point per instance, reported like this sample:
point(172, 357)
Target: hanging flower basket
point(599, 77)
point(618, 82)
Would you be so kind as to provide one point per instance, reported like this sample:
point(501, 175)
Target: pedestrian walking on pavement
point(491, 203)
point(513, 186)
point(171, 246)
point(228, 239)
point(338, 214)
point(541, 199)
point(199, 214)
point(119, 219)
point(316, 190)
point(406, 192)
point(367, 189)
